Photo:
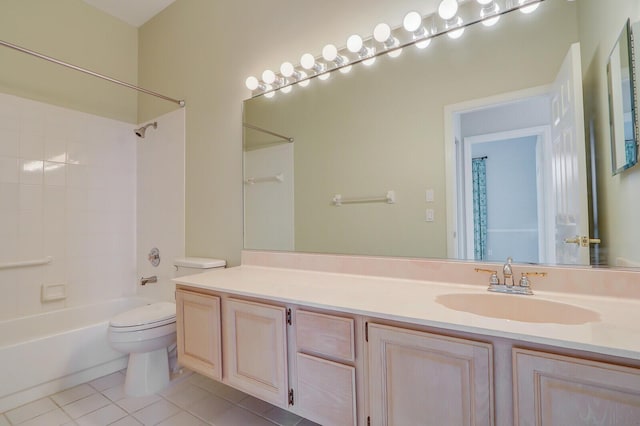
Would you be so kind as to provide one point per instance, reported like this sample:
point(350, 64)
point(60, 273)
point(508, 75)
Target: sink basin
point(518, 308)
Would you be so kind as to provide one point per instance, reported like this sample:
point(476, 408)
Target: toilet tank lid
point(199, 262)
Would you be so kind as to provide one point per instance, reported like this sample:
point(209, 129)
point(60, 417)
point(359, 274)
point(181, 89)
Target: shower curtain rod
point(86, 71)
point(269, 132)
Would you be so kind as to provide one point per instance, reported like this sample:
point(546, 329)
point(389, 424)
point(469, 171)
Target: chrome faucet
point(508, 273)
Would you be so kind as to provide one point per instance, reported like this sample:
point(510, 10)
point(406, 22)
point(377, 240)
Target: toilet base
point(147, 373)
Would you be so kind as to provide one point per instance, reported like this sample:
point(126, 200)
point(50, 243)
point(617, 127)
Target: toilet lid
point(154, 314)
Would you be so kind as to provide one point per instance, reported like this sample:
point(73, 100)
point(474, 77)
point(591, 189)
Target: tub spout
point(151, 279)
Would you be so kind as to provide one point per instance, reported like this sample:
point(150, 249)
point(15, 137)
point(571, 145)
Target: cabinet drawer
point(325, 335)
point(326, 391)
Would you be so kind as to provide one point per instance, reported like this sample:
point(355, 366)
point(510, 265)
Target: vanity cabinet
point(198, 333)
point(255, 349)
point(422, 378)
point(325, 385)
point(552, 389)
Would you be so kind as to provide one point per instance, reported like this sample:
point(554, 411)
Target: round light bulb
point(346, 70)
point(490, 22)
point(324, 76)
point(303, 83)
point(395, 53)
point(354, 43)
point(329, 52)
point(528, 9)
point(448, 9)
point(286, 89)
point(456, 33)
point(382, 32)
point(252, 83)
point(287, 69)
point(307, 61)
point(412, 21)
point(268, 76)
point(370, 61)
point(484, 2)
point(423, 44)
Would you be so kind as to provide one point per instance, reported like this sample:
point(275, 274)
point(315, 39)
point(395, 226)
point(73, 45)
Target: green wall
point(74, 32)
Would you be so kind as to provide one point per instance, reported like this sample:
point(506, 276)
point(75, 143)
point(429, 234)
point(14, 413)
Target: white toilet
point(146, 332)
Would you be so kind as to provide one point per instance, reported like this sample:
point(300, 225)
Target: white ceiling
point(133, 12)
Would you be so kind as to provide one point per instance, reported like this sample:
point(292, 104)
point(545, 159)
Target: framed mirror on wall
point(528, 93)
point(623, 112)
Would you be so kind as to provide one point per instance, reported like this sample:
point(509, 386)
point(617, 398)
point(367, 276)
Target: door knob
point(583, 241)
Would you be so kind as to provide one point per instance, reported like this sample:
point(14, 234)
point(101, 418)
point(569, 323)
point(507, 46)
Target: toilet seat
point(144, 318)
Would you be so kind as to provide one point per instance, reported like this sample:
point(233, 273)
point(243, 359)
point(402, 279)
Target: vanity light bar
point(451, 18)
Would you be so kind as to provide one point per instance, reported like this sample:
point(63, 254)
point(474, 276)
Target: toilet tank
point(196, 265)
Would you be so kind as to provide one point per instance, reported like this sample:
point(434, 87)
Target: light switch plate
point(430, 215)
point(429, 194)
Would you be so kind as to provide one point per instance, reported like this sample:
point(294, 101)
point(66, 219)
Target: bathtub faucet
point(151, 279)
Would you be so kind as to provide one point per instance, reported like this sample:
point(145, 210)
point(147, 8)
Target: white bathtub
point(45, 353)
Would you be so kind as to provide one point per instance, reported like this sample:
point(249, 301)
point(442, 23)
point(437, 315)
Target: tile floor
point(193, 400)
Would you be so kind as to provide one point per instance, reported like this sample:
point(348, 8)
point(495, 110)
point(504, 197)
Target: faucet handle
point(524, 279)
point(493, 279)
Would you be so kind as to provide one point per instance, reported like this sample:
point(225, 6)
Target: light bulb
point(456, 34)
point(252, 83)
point(268, 76)
point(395, 53)
point(448, 9)
point(423, 44)
point(382, 32)
point(528, 9)
point(302, 75)
point(370, 61)
point(324, 76)
point(269, 95)
point(329, 52)
point(307, 61)
point(412, 21)
point(346, 70)
point(286, 89)
point(354, 43)
point(490, 8)
point(287, 69)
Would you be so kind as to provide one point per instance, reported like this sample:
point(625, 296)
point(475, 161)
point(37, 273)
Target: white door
point(568, 163)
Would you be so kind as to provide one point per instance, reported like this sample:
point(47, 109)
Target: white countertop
point(617, 333)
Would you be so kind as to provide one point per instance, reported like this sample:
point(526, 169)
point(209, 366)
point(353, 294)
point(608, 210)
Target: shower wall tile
point(67, 190)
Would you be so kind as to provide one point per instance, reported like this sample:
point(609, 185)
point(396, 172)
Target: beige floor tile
point(115, 393)
point(255, 405)
point(134, 403)
point(155, 413)
point(107, 382)
point(103, 416)
point(71, 395)
point(282, 417)
point(183, 419)
point(187, 394)
point(30, 410)
point(239, 416)
point(209, 408)
point(86, 405)
point(56, 417)
point(126, 421)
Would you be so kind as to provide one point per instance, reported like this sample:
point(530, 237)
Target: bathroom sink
point(518, 308)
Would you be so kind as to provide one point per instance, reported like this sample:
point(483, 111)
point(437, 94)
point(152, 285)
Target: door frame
point(452, 148)
point(543, 184)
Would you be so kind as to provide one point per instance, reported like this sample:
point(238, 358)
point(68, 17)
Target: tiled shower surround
point(67, 190)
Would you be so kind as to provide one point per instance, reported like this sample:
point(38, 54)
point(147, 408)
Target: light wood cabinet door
point(417, 378)
point(326, 391)
point(552, 390)
point(256, 350)
point(198, 333)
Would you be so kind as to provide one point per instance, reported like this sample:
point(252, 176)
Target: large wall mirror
point(623, 114)
point(478, 148)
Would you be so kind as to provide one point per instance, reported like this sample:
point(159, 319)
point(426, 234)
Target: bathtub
point(45, 353)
